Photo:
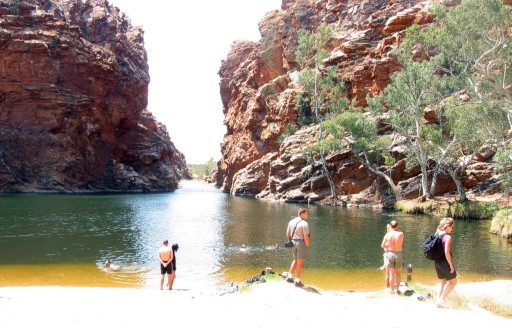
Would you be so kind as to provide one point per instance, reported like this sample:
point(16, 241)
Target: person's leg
point(298, 268)
point(391, 278)
point(171, 281)
point(398, 278)
point(162, 282)
point(386, 271)
point(293, 266)
point(292, 270)
point(447, 289)
point(440, 288)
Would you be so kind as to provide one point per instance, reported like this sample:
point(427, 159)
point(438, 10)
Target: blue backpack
point(433, 247)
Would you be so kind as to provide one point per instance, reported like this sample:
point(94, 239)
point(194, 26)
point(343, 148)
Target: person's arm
point(384, 243)
point(447, 248)
point(160, 259)
point(307, 239)
point(288, 237)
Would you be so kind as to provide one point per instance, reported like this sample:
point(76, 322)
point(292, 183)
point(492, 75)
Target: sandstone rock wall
point(259, 83)
point(73, 96)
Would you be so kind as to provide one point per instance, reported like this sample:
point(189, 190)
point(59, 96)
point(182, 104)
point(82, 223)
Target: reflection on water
point(65, 240)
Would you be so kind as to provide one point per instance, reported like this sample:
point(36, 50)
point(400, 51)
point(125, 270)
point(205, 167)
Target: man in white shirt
point(298, 233)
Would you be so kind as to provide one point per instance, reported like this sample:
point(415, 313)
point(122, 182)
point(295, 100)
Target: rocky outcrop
point(73, 96)
point(259, 84)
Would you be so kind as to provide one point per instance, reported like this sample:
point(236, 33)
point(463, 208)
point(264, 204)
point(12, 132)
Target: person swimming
point(111, 266)
point(274, 247)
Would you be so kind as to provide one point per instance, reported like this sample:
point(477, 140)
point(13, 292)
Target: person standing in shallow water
point(392, 245)
point(298, 233)
point(165, 257)
point(445, 269)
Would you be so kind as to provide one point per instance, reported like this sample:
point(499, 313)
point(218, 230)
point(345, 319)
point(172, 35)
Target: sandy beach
point(270, 304)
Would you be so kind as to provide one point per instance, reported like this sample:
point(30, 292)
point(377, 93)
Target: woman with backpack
point(444, 265)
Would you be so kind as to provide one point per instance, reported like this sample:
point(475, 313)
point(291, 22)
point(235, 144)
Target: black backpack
point(433, 247)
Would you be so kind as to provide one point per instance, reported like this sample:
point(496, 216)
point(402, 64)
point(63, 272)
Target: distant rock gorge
point(258, 86)
point(73, 97)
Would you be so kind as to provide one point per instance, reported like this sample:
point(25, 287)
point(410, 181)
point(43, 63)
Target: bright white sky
point(185, 42)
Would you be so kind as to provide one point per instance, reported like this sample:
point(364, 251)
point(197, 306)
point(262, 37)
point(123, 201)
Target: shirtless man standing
point(165, 257)
point(392, 245)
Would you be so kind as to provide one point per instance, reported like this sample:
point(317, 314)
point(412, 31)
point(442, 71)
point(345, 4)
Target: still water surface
point(65, 239)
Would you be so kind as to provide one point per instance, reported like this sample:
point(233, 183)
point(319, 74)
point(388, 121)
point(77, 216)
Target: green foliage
point(14, 7)
point(289, 130)
point(202, 170)
point(474, 123)
point(502, 223)
point(414, 207)
point(503, 159)
point(311, 50)
point(359, 131)
point(323, 92)
point(411, 91)
point(306, 173)
point(472, 210)
point(478, 55)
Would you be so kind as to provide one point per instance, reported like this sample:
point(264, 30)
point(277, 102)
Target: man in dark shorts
point(165, 257)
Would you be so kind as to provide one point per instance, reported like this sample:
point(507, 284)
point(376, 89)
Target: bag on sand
point(433, 247)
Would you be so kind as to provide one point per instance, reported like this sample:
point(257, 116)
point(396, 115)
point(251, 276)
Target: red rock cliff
point(258, 85)
point(73, 96)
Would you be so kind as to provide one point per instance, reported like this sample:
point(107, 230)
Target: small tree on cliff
point(358, 131)
point(322, 93)
point(470, 127)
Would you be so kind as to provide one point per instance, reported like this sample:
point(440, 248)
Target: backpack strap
point(291, 236)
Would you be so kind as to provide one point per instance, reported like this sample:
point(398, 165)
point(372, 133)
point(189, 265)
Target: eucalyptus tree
point(469, 127)
point(412, 91)
point(322, 91)
point(473, 41)
point(470, 48)
point(357, 131)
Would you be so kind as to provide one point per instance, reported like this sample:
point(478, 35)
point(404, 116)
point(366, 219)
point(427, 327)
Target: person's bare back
point(394, 240)
point(165, 253)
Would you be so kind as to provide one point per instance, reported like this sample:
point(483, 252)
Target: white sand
point(270, 304)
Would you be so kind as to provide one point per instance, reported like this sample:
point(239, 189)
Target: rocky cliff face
point(259, 82)
point(73, 96)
